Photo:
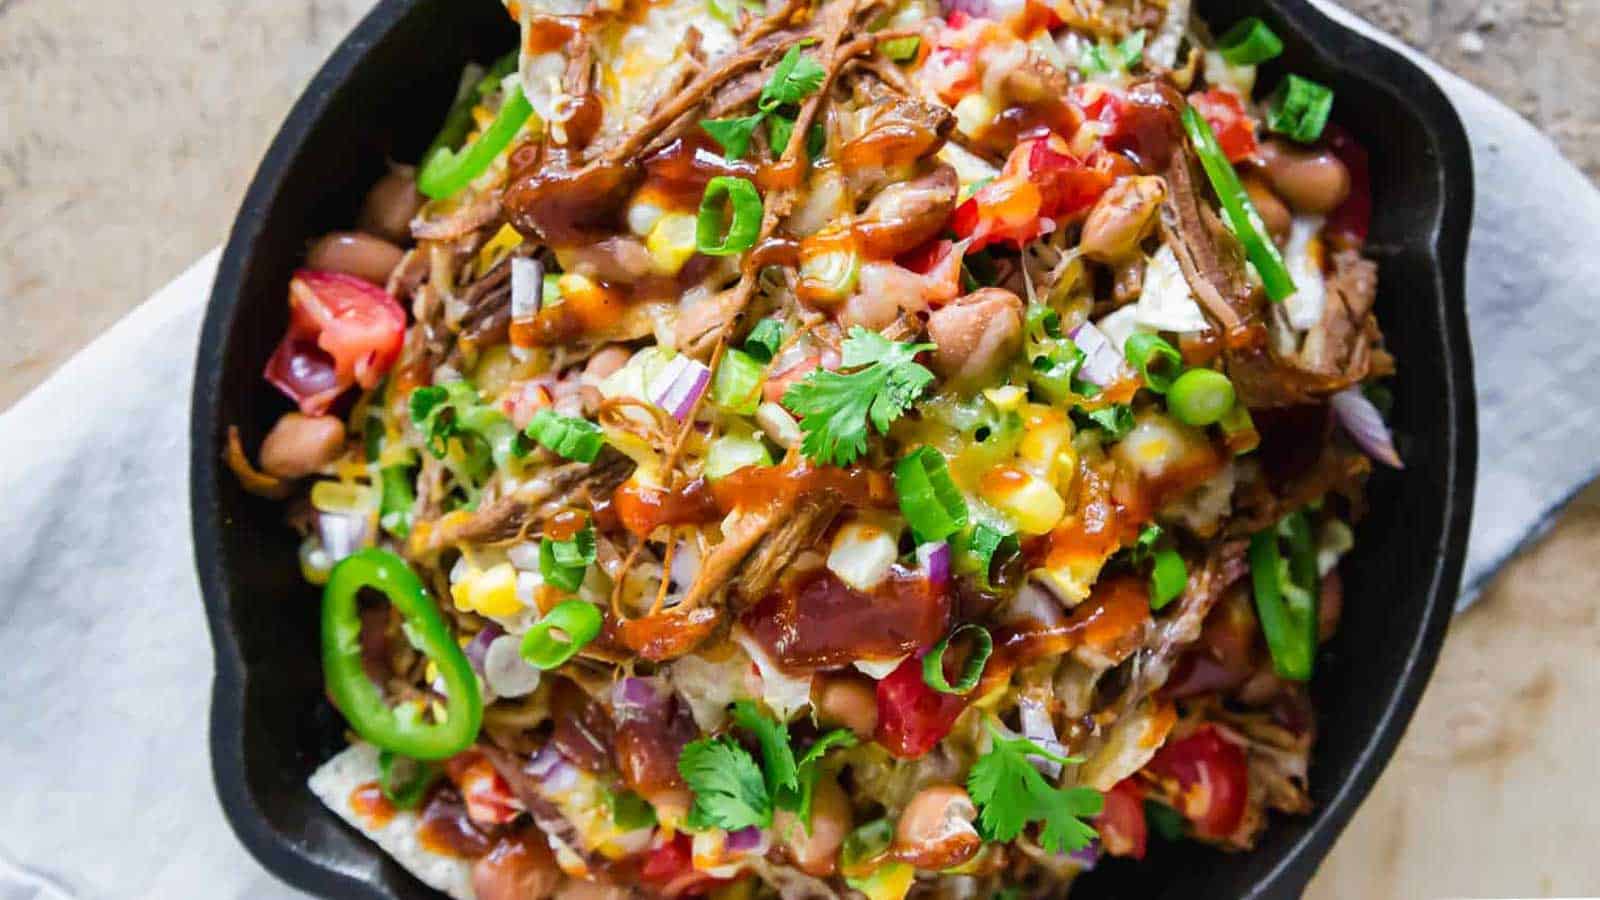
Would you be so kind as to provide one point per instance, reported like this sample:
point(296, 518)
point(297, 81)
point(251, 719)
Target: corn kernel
point(1028, 500)
point(671, 242)
point(1006, 399)
point(974, 113)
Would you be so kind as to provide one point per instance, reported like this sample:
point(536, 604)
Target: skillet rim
point(294, 862)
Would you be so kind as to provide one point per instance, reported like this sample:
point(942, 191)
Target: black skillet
point(381, 96)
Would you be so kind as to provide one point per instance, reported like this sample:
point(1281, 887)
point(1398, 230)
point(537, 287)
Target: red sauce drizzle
point(815, 621)
point(445, 828)
point(369, 803)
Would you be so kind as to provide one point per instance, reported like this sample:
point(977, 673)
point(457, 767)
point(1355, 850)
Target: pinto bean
point(976, 334)
point(357, 253)
point(816, 852)
point(1311, 180)
point(905, 215)
point(391, 205)
point(1121, 218)
point(848, 700)
point(1274, 214)
point(935, 831)
point(520, 867)
point(299, 445)
point(583, 889)
point(606, 361)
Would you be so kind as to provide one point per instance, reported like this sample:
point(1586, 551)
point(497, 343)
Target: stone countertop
point(129, 131)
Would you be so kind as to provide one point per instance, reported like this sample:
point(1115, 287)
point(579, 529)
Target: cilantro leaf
point(810, 770)
point(733, 133)
point(729, 792)
point(1115, 420)
point(1011, 793)
point(835, 408)
point(795, 77)
point(773, 736)
point(779, 129)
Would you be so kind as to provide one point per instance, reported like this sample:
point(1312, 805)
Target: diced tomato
point(1041, 186)
point(1348, 225)
point(1211, 780)
point(488, 798)
point(913, 717)
point(343, 331)
point(669, 860)
point(669, 868)
point(951, 66)
point(1235, 130)
point(1121, 823)
point(772, 391)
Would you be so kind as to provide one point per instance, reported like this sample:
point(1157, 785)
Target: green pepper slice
point(445, 172)
point(1286, 593)
point(401, 729)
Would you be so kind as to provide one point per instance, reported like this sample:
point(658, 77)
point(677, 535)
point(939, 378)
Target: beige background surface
point(129, 131)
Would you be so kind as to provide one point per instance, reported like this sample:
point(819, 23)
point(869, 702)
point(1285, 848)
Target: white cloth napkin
point(107, 666)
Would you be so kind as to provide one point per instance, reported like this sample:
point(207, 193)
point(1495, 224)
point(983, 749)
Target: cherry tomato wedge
point(913, 717)
point(488, 798)
point(342, 331)
point(1123, 831)
point(1041, 186)
point(1348, 225)
point(1235, 130)
point(1211, 779)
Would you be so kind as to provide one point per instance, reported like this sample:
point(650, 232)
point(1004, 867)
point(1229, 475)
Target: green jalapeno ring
point(399, 730)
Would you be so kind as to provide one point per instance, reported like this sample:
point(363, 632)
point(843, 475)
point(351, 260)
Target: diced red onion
point(505, 671)
point(341, 534)
point(1087, 856)
point(746, 840)
point(639, 698)
point(680, 385)
point(1102, 361)
point(1365, 425)
point(1037, 727)
point(478, 647)
point(1037, 604)
point(935, 561)
point(527, 287)
point(553, 770)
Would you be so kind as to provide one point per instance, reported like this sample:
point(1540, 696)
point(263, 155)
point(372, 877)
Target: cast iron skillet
point(383, 93)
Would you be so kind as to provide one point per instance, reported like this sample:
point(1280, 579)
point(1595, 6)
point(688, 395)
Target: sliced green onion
point(765, 339)
point(1249, 42)
point(736, 385)
point(713, 235)
point(971, 673)
point(1236, 206)
point(403, 780)
point(1299, 109)
point(563, 563)
point(1131, 49)
point(1043, 322)
point(732, 452)
point(631, 812)
point(1200, 397)
point(445, 172)
point(571, 437)
point(1240, 430)
point(985, 550)
point(399, 495)
point(901, 49)
point(865, 845)
point(1168, 578)
point(1158, 362)
point(1286, 595)
point(929, 498)
point(1054, 364)
point(559, 636)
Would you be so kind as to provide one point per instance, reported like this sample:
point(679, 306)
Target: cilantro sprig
point(1011, 793)
point(731, 791)
point(835, 407)
point(794, 78)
